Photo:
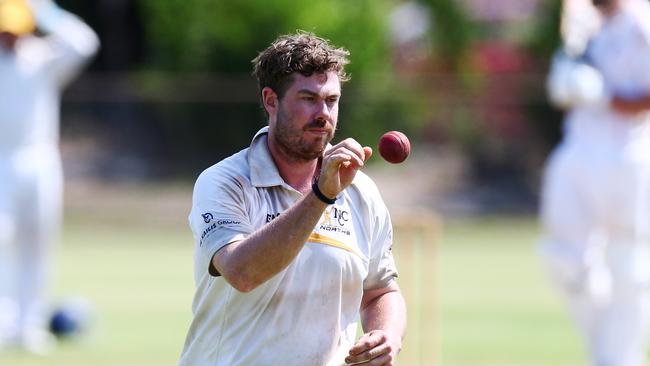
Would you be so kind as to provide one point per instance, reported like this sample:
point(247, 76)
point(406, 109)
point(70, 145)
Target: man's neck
point(296, 173)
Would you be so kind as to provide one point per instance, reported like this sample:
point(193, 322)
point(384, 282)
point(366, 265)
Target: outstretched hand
point(340, 165)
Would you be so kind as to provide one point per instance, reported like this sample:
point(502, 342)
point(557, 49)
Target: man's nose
point(324, 111)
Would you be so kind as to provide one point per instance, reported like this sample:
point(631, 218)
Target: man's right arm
point(248, 263)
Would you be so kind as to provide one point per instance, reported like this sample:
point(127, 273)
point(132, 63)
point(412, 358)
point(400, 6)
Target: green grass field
point(476, 295)
point(496, 306)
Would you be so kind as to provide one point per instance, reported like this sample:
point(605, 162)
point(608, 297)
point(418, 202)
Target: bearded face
point(306, 117)
point(302, 141)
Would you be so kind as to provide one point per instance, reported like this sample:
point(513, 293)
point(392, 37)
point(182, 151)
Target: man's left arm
point(383, 317)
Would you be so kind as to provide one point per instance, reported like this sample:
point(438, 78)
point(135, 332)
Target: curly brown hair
point(302, 52)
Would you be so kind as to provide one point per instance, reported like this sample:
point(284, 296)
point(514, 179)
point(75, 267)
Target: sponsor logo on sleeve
point(207, 217)
point(218, 223)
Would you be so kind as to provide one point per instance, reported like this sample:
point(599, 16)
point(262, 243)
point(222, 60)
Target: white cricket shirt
point(621, 52)
point(32, 76)
point(309, 311)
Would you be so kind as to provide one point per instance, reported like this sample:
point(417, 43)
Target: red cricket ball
point(394, 147)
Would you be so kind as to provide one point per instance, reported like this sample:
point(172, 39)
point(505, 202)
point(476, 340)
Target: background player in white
point(579, 22)
point(33, 71)
point(596, 192)
point(292, 240)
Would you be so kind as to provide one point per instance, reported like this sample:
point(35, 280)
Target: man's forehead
point(316, 82)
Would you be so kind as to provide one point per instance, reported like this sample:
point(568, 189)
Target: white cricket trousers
point(31, 190)
point(595, 210)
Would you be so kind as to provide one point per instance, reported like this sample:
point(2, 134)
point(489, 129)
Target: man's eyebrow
point(315, 94)
point(307, 91)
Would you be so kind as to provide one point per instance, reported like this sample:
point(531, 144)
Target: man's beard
point(293, 143)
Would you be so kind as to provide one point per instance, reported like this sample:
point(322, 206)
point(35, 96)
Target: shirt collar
point(264, 173)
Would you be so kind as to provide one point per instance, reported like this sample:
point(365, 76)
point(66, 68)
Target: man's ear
point(270, 101)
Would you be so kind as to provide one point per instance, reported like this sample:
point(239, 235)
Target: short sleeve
point(218, 216)
point(382, 270)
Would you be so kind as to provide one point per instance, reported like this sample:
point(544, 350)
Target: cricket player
point(33, 71)
point(292, 241)
point(596, 191)
point(579, 22)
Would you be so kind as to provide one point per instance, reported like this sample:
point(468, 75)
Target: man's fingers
point(368, 152)
point(353, 156)
point(367, 342)
point(378, 355)
point(353, 146)
point(383, 360)
point(335, 160)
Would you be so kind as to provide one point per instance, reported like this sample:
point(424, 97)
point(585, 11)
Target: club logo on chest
point(335, 219)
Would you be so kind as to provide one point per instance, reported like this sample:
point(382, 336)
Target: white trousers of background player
point(596, 212)
point(30, 216)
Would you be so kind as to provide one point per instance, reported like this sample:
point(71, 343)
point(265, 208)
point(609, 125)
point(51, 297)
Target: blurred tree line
point(172, 82)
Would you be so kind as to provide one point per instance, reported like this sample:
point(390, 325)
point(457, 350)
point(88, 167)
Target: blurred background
point(171, 93)
point(171, 90)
